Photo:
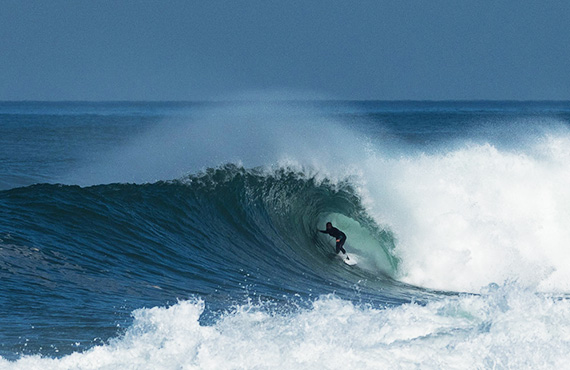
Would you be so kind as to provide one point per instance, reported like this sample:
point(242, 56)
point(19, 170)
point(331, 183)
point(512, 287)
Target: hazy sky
point(203, 50)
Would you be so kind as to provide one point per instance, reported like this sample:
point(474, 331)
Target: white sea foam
point(504, 327)
point(477, 215)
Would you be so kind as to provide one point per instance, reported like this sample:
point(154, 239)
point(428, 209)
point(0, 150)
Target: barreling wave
point(194, 235)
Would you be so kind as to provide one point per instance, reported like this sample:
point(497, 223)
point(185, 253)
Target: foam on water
point(504, 327)
point(477, 215)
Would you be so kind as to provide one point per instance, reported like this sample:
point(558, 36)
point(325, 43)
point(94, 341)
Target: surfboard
point(349, 259)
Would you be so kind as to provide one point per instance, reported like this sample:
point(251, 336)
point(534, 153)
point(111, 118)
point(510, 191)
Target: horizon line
point(293, 100)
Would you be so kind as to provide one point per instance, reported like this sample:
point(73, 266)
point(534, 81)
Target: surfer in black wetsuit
point(338, 235)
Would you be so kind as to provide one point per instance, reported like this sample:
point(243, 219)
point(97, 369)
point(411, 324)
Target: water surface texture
point(184, 235)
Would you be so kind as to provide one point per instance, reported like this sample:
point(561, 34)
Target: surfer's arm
point(323, 231)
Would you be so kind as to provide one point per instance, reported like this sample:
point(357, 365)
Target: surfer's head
point(329, 225)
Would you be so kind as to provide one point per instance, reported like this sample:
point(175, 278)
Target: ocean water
point(184, 235)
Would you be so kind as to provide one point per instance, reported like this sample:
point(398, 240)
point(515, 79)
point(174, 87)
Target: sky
point(219, 50)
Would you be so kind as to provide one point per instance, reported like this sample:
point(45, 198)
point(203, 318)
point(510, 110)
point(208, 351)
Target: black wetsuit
point(339, 236)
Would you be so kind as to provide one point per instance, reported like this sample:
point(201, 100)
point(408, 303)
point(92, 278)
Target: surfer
point(339, 236)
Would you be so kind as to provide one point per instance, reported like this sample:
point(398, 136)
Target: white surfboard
point(349, 259)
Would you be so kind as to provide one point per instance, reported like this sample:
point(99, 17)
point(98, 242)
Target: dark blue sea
point(173, 235)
